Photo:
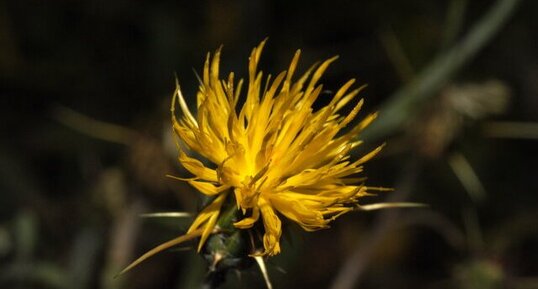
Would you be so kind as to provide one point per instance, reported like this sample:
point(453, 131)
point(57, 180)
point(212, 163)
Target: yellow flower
point(272, 151)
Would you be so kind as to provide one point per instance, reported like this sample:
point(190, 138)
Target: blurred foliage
point(86, 140)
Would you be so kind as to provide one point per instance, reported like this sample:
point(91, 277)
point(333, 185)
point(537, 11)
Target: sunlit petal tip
point(379, 206)
point(183, 106)
point(167, 215)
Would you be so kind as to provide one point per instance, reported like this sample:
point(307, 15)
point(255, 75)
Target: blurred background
point(86, 140)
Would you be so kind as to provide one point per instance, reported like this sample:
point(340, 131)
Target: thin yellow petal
point(248, 222)
point(272, 225)
point(207, 219)
point(182, 105)
point(206, 188)
point(197, 168)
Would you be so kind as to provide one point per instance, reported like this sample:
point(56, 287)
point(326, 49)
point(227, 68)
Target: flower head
point(271, 151)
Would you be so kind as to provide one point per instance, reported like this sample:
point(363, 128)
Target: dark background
point(86, 141)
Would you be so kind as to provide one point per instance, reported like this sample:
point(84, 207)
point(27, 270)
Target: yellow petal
point(273, 229)
point(196, 168)
point(207, 188)
point(308, 217)
point(249, 221)
point(207, 219)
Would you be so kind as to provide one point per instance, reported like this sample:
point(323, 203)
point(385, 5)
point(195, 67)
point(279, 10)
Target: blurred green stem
point(404, 103)
point(467, 176)
point(396, 55)
point(454, 22)
point(94, 128)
